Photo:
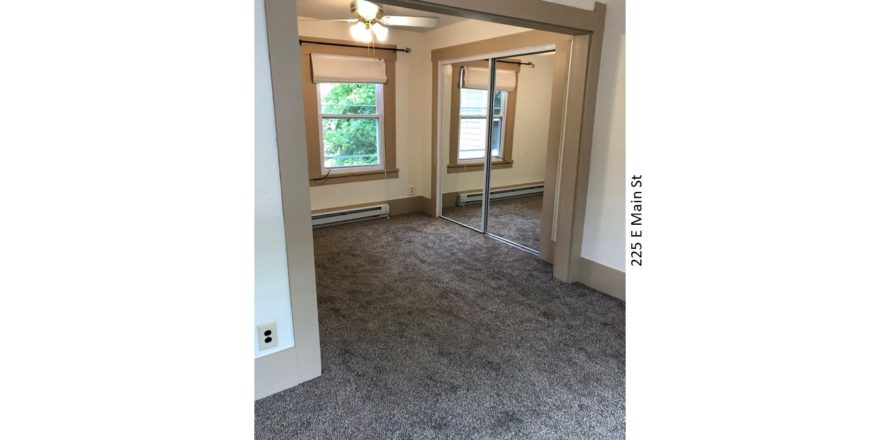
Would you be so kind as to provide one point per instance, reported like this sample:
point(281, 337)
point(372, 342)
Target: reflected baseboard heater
point(506, 193)
point(349, 215)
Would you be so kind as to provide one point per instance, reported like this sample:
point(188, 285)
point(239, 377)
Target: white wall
point(605, 220)
point(530, 131)
point(272, 292)
point(301, 362)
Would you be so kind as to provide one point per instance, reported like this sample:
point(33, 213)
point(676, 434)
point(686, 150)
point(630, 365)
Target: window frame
point(318, 175)
point(501, 116)
point(506, 142)
point(380, 116)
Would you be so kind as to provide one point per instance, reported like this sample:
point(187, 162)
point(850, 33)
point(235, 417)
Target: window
point(472, 124)
point(349, 112)
point(468, 122)
point(351, 126)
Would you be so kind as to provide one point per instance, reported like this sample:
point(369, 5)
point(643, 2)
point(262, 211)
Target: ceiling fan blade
point(347, 20)
point(402, 21)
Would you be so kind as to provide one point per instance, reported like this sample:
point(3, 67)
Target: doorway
point(583, 31)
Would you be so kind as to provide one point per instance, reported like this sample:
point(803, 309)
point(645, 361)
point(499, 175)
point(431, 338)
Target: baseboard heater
point(349, 215)
point(507, 193)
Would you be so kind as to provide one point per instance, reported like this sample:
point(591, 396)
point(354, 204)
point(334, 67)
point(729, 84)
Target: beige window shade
point(342, 69)
point(478, 78)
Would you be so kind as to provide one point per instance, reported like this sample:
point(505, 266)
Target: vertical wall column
point(288, 367)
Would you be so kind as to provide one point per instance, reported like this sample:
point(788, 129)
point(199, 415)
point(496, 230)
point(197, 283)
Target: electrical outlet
point(412, 190)
point(268, 335)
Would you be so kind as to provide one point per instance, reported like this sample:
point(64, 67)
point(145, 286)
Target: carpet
point(433, 331)
point(517, 219)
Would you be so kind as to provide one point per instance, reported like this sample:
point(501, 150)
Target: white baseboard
point(279, 371)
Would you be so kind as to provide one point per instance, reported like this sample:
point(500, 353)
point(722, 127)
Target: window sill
point(463, 167)
point(349, 176)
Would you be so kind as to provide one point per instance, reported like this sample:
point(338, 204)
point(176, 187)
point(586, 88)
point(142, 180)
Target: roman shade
point(478, 78)
point(343, 69)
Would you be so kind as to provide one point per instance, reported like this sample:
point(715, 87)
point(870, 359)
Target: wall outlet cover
point(267, 334)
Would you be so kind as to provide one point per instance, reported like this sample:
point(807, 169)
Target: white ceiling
point(340, 9)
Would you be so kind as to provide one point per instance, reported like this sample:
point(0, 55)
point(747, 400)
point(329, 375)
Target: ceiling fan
point(369, 21)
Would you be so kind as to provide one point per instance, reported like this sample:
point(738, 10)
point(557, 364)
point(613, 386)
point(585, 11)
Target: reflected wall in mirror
point(517, 190)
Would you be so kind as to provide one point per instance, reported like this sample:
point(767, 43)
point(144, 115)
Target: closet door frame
point(439, 168)
point(506, 47)
point(585, 29)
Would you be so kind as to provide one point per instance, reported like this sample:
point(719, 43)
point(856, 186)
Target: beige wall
point(532, 123)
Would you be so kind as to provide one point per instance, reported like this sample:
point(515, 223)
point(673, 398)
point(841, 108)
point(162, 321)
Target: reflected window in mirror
point(472, 124)
point(468, 114)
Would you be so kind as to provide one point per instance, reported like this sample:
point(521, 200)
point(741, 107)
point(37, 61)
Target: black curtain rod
point(530, 64)
point(407, 50)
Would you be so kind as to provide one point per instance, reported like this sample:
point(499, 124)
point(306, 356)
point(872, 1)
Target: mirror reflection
point(463, 136)
point(520, 118)
point(517, 190)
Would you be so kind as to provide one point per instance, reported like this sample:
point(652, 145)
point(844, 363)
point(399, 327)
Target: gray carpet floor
point(432, 331)
point(517, 219)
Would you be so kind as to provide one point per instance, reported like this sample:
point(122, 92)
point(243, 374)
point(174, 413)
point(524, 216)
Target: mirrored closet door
point(463, 142)
point(497, 121)
point(519, 147)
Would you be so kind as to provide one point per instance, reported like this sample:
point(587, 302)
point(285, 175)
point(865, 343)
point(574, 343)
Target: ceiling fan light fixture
point(360, 32)
point(369, 11)
point(380, 31)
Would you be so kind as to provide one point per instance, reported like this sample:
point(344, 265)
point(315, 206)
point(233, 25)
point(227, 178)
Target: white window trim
point(502, 116)
point(380, 110)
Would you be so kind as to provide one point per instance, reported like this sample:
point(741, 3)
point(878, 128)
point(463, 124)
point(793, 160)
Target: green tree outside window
point(349, 141)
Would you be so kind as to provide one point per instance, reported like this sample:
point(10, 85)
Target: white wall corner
point(604, 237)
point(288, 367)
